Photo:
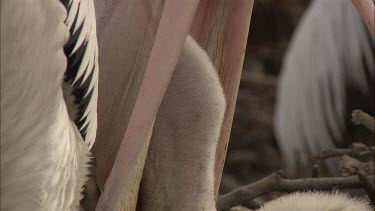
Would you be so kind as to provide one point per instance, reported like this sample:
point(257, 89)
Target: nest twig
point(278, 182)
point(357, 168)
point(355, 174)
point(357, 150)
point(364, 119)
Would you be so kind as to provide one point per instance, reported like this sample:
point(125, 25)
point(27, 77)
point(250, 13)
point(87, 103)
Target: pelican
point(327, 73)
point(49, 89)
point(316, 201)
point(179, 168)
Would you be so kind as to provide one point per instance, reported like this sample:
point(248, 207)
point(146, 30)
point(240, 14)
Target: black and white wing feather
point(81, 77)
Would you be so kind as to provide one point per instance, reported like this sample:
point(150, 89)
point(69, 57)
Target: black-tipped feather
point(81, 74)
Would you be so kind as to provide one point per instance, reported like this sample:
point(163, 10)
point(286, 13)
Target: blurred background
point(330, 74)
point(252, 151)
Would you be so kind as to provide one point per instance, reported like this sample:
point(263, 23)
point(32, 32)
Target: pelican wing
point(327, 72)
point(81, 77)
point(37, 166)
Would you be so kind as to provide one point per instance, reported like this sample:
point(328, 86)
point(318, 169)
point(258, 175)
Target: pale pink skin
point(366, 10)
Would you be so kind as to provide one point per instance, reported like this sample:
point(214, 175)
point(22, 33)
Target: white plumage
point(328, 72)
point(179, 169)
point(316, 201)
point(81, 78)
point(43, 155)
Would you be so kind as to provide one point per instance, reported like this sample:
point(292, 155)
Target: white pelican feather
point(328, 72)
point(43, 155)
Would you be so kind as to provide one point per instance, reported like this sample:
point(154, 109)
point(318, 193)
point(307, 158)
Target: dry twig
point(358, 150)
point(364, 119)
point(278, 182)
point(357, 165)
point(351, 166)
point(368, 184)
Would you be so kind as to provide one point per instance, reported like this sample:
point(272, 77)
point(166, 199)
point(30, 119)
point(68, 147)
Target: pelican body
point(48, 102)
point(316, 201)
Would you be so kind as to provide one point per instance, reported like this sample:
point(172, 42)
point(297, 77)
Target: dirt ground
point(252, 151)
